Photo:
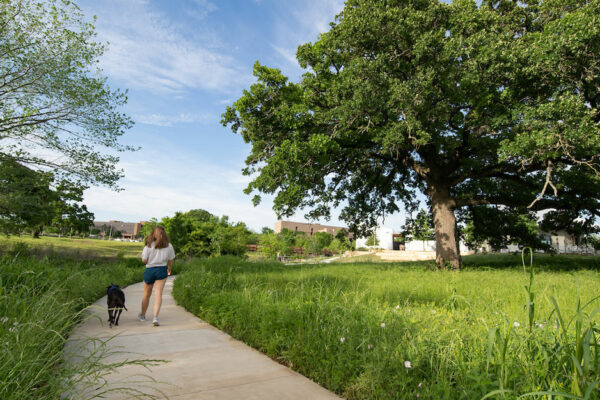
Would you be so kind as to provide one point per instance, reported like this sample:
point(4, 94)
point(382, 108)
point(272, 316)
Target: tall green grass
point(380, 331)
point(41, 300)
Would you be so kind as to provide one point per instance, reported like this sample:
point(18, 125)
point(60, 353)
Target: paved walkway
point(204, 363)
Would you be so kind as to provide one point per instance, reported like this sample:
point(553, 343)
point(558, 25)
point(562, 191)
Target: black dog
point(115, 298)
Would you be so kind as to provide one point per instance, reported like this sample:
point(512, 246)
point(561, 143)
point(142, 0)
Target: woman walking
point(158, 255)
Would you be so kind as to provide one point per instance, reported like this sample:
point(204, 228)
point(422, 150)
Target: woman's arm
point(169, 266)
point(145, 255)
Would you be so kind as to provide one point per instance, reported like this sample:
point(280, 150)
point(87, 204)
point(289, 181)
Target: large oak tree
point(471, 104)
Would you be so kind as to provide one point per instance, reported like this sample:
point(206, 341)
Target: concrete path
point(203, 362)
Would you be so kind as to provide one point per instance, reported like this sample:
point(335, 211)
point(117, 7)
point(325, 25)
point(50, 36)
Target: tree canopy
point(56, 110)
point(200, 233)
point(471, 104)
point(32, 201)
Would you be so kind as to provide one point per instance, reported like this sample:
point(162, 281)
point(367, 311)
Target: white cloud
point(149, 51)
point(170, 120)
point(310, 18)
point(315, 17)
point(162, 184)
point(287, 54)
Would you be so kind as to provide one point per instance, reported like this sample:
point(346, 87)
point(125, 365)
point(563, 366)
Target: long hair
point(158, 237)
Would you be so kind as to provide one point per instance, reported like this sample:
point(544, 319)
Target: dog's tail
point(125, 307)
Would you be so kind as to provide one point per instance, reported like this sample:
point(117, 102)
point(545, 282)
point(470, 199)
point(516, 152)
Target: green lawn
point(76, 247)
point(402, 330)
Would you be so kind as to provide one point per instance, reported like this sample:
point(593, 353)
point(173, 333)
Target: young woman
point(158, 255)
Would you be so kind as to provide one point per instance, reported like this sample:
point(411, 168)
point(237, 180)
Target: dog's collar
point(112, 288)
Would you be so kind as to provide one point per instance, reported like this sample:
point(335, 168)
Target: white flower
point(433, 311)
point(398, 307)
point(540, 325)
point(342, 339)
point(516, 324)
point(370, 346)
point(383, 324)
point(15, 323)
point(4, 320)
point(407, 364)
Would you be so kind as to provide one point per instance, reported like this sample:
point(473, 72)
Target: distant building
point(128, 230)
point(385, 239)
point(308, 228)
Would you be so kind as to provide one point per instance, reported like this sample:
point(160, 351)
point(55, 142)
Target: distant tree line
point(198, 233)
point(288, 243)
point(33, 201)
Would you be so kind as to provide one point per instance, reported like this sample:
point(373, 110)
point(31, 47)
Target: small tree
point(340, 245)
point(266, 230)
point(372, 240)
point(270, 246)
point(419, 228)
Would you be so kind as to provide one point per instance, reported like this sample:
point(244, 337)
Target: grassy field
point(402, 331)
point(41, 300)
point(75, 247)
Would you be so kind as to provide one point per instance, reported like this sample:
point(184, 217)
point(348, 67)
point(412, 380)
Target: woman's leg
point(160, 285)
point(146, 298)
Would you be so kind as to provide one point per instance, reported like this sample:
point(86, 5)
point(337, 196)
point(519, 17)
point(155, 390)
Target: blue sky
point(183, 62)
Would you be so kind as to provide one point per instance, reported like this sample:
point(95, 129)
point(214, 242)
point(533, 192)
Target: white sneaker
point(155, 321)
point(141, 317)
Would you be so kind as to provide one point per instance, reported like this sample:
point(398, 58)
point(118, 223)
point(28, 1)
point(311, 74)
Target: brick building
point(308, 228)
point(128, 229)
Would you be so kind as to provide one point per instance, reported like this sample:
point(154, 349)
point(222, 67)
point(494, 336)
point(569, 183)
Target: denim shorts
point(152, 274)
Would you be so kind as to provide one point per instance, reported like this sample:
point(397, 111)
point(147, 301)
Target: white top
point(157, 257)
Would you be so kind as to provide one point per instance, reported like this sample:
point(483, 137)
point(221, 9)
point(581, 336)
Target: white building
point(385, 237)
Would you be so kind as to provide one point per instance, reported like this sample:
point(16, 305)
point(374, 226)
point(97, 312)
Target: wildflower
point(383, 324)
point(407, 364)
point(6, 344)
point(15, 323)
point(418, 395)
point(370, 347)
point(4, 320)
point(420, 384)
point(516, 324)
point(12, 329)
point(433, 311)
point(342, 339)
point(187, 286)
point(540, 325)
point(398, 307)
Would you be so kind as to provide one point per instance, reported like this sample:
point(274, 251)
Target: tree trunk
point(446, 243)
